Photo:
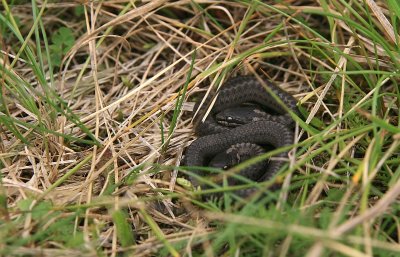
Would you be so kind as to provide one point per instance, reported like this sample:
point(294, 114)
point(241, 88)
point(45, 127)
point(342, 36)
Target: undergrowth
point(96, 109)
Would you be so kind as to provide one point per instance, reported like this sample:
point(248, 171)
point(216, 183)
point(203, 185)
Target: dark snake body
point(236, 154)
point(244, 116)
point(246, 89)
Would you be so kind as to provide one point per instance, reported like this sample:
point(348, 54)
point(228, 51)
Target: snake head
point(224, 160)
point(236, 154)
point(236, 116)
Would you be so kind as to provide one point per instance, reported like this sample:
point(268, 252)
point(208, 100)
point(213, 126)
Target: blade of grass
point(158, 232)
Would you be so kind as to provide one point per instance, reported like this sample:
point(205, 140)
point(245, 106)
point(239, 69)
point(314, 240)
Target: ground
point(97, 109)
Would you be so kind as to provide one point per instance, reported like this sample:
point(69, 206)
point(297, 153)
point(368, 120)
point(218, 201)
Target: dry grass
point(122, 78)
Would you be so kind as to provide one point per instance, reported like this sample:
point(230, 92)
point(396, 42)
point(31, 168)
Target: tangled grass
point(96, 111)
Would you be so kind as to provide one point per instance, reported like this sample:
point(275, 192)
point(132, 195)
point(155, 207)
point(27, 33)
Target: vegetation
point(96, 110)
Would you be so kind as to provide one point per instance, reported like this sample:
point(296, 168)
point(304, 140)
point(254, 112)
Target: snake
point(236, 154)
point(244, 119)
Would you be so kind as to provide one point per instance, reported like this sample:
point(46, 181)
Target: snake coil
point(243, 120)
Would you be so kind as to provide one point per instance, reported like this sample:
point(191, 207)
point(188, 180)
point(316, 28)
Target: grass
point(96, 111)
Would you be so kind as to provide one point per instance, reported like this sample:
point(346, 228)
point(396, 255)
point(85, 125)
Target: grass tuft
point(96, 109)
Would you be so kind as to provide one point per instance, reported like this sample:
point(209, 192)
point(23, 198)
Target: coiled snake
point(244, 119)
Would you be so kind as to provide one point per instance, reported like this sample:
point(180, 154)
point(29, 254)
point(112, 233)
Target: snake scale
point(244, 119)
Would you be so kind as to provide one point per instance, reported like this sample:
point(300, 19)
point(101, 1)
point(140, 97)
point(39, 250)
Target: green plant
point(62, 41)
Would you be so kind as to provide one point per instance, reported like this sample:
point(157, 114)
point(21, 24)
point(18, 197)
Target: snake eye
point(229, 118)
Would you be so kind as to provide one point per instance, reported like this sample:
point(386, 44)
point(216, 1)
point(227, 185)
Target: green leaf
point(76, 240)
point(24, 204)
point(79, 10)
point(38, 211)
point(124, 229)
point(62, 41)
point(325, 218)
point(41, 210)
point(63, 38)
point(394, 5)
